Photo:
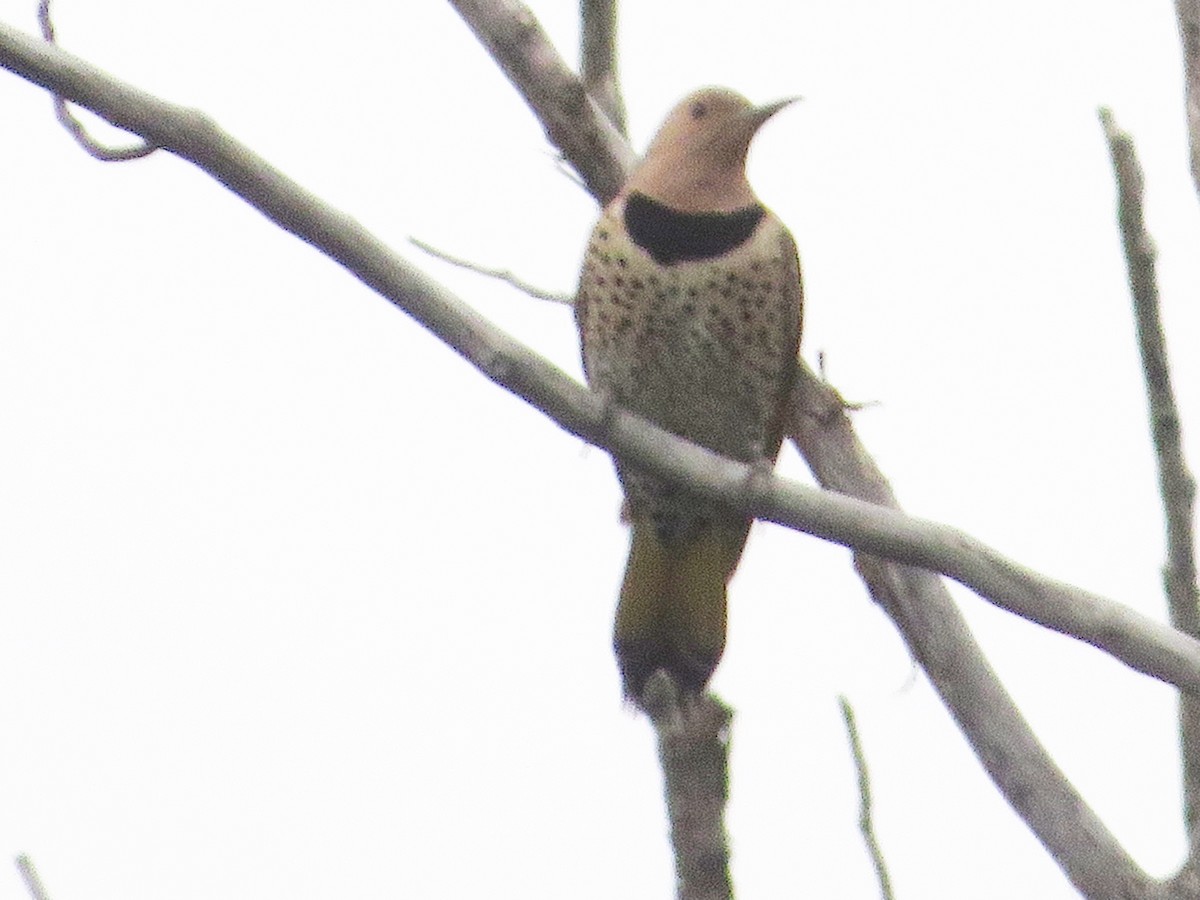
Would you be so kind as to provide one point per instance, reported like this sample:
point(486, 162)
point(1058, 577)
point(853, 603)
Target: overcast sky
point(295, 604)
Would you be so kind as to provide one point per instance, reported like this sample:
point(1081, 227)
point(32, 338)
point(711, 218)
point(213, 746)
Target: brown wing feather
point(794, 288)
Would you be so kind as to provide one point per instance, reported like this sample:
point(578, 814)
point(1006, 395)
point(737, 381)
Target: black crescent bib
point(670, 236)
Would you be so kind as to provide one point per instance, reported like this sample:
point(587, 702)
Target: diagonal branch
point(942, 642)
point(1175, 483)
point(938, 637)
point(1187, 13)
point(598, 58)
point(574, 123)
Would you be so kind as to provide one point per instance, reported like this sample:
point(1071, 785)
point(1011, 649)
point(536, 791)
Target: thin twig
point(33, 883)
point(74, 127)
point(1176, 485)
point(598, 58)
point(1187, 13)
point(865, 823)
point(504, 275)
point(693, 750)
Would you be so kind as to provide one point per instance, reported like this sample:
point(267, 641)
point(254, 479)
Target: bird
point(689, 309)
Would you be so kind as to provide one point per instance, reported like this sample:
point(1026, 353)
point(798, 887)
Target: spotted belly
point(704, 348)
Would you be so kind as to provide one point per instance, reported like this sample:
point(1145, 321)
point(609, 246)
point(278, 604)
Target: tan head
point(697, 161)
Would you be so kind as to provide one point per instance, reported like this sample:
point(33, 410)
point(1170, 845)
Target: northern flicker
point(689, 313)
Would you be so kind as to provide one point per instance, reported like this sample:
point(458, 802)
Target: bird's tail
point(671, 614)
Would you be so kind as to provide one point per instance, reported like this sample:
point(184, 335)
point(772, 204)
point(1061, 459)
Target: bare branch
point(865, 823)
point(504, 275)
point(1138, 641)
point(74, 127)
point(938, 637)
point(1188, 14)
point(598, 58)
point(574, 123)
point(33, 883)
point(1176, 485)
point(915, 599)
point(693, 749)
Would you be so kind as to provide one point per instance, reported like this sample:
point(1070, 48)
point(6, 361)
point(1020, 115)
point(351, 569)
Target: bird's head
point(697, 160)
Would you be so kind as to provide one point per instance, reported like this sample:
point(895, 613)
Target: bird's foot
point(608, 409)
point(758, 476)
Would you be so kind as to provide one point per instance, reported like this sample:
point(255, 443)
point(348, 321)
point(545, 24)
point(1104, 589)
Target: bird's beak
point(760, 114)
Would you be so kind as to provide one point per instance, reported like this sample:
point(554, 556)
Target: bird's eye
point(699, 109)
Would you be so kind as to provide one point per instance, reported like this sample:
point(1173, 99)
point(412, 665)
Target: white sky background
point(297, 605)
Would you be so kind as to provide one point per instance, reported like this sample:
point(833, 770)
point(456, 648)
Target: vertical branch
point(598, 58)
point(865, 822)
point(1188, 14)
point(693, 748)
point(1175, 483)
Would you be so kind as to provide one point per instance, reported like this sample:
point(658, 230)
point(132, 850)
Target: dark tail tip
point(639, 659)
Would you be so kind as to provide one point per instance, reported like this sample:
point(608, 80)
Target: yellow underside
point(671, 613)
